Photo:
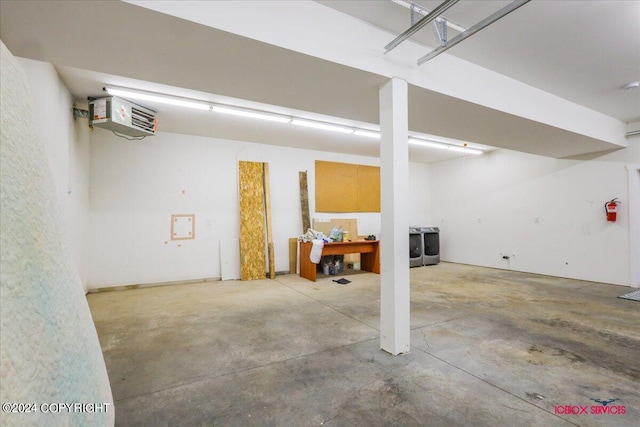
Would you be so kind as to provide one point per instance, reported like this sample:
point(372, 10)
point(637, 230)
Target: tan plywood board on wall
point(252, 220)
point(336, 187)
point(368, 189)
point(345, 187)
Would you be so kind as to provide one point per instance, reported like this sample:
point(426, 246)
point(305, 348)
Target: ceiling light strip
point(443, 146)
point(440, 9)
point(367, 133)
point(247, 112)
point(152, 97)
point(269, 116)
point(471, 31)
point(425, 143)
point(321, 125)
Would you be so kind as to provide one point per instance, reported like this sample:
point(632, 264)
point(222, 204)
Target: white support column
point(394, 240)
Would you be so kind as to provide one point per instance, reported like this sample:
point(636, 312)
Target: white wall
point(420, 195)
point(137, 185)
point(49, 349)
point(634, 218)
point(66, 143)
point(486, 206)
point(549, 213)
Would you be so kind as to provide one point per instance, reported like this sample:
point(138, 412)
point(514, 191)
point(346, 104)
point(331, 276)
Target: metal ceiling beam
point(420, 24)
point(471, 31)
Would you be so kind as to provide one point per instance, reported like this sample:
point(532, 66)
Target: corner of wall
point(66, 144)
point(49, 342)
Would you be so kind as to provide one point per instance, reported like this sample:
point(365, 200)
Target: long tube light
point(443, 146)
point(274, 117)
point(253, 114)
point(321, 125)
point(466, 150)
point(367, 133)
point(162, 99)
point(425, 143)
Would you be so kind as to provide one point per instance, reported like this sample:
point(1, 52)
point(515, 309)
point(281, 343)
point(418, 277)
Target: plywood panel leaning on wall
point(267, 206)
point(304, 202)
point(347, 224)
point(293, 255)
point(252, 220)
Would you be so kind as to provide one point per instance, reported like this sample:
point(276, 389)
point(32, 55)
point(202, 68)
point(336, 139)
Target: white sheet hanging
point(316, 251)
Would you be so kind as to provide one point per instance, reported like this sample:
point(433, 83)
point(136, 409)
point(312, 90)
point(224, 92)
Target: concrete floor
point(489, 348)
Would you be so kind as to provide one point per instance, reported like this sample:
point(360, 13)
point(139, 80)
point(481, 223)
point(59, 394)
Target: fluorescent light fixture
point(425, 143)
point(424, 12)
point(443, 146)
point(463, 149)
point(152, 97)
point(250, 113)
point(321, 125)
point(274, 117)
point(367, 133)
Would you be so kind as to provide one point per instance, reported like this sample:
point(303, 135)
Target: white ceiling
point(582, 51)
point(97, 43)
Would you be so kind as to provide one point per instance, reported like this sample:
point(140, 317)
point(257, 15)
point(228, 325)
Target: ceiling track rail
point(439, 10)
point(472, 30)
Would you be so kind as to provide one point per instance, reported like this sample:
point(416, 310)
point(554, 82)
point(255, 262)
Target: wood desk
point(369, 258)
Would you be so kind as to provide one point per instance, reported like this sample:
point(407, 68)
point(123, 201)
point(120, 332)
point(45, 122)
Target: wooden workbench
point(369, 258)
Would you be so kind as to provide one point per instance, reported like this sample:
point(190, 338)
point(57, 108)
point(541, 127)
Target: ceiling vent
point(121, 116)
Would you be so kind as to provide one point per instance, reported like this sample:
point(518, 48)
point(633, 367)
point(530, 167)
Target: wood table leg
point(371, 261)
point(307, 268)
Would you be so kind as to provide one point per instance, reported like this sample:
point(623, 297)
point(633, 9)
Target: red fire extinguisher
point(611, 208)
